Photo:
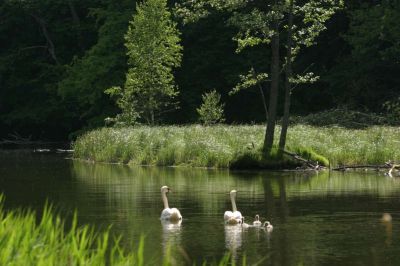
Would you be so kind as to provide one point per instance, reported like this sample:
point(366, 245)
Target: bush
point(211, 110)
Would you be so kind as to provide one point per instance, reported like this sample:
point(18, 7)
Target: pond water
point(319, 219)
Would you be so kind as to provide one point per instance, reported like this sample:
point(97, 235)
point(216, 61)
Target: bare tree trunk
point(77, 23)
point(273, 98)
point(50, 44)
point(75, 17)
point(262, 95)
point(263, 101)
point(288, 87)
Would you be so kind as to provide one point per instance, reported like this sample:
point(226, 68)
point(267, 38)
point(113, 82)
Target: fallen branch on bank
point(308, 163)
point(387, 165)
point(391, 169)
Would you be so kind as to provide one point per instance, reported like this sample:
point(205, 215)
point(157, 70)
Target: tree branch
point(50, 44)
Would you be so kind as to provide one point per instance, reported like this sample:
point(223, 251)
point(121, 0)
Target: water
point(319, 219)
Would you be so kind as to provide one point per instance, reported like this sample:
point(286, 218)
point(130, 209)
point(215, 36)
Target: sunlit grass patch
point(26, 241)
point(224, 146)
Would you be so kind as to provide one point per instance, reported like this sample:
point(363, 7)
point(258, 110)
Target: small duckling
point(244, 225)
point(268, 226)
point(257, 221)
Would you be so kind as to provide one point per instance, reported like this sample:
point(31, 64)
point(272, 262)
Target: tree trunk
point(263, 101)
point(288, 87)
point(273, 95)
point(262, 94)
point(50, 45)
point(77, 23)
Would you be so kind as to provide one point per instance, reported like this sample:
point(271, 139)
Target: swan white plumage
point(234, 216)
point(243, 224)
point(257, 222)
point(169, 214)
point(268, 226)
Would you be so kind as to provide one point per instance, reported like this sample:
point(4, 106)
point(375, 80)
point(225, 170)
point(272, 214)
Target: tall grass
point(227, 146)
point(373, 145)
point(26, 241)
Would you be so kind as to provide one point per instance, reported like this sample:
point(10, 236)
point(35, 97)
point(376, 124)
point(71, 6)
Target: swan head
point(165, 189)
point(233, 193)
point(267, 223)
point(257, 217)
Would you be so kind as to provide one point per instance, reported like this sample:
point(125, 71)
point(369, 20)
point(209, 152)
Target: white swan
point(243, 224)
point(257, 221)
point(234, 217)
point(268, 226)
point(169, 214)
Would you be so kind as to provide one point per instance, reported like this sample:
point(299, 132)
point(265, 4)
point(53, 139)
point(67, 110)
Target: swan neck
point(165, 200)
point(233, 203)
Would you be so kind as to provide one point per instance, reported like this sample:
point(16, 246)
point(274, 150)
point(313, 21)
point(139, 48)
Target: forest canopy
point(58, 57)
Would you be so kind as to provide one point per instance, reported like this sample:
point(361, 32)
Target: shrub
point(211, 111)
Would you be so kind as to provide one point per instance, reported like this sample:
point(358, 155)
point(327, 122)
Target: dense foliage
point(153, 50)
point(58, 57)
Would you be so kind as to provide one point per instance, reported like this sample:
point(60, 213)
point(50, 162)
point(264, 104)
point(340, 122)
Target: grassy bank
point(236, 146)
point(26, 241)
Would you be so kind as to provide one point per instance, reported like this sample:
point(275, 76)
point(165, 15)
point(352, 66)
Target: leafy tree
point(313, 16)
point(211, 110)
point(153, 47)
point(260, 23)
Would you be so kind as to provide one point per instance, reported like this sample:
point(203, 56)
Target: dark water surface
point(319, 219)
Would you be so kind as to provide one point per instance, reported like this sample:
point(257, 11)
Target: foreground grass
point(26, 241)
point(236, 146)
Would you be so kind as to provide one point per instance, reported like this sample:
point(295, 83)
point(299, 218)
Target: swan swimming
point(234, 216)
point(257, 221)
point(243, 224)
point(169, 214)
point(268, 226)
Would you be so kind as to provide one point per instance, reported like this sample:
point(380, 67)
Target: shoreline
point(237, 147)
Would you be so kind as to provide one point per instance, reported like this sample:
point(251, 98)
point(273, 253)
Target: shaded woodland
point(58, 57)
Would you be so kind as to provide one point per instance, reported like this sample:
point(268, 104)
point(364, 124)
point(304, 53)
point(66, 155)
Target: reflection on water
point(171, 232)
point(386, 221)
point(171, 237)
point(319, 219)
point(233, 238)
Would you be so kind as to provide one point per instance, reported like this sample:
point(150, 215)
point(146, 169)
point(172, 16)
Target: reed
point(26, 241)
point(224, 146)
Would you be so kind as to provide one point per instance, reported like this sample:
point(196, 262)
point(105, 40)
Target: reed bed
point(26, 241)
point(224, 146)
point(23, 241)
